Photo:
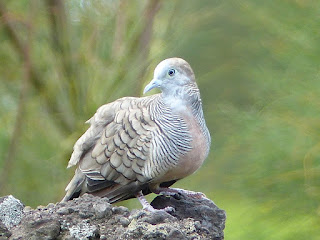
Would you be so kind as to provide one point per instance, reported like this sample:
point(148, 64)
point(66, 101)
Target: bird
point(140, 145)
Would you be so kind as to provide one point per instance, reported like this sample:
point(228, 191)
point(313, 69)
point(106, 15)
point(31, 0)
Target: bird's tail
point(75, 186)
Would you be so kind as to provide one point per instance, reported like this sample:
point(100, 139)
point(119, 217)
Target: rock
point(90, 217)
point(84, 230)
point(11, 211)
point(4, 232)
point(207, 217)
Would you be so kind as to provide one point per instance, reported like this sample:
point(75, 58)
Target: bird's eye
point(171, 72)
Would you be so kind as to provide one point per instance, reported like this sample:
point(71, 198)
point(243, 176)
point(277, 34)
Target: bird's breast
point(192, 160)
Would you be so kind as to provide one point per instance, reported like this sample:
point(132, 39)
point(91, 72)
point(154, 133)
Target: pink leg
point(173, 191)
point(146, 205)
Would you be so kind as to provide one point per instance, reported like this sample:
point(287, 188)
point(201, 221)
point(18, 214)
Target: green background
point(257, 67)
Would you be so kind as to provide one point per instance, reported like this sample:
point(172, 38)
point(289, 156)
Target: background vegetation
point(257, 65)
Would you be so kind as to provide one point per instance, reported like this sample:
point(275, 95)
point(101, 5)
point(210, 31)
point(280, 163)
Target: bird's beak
point(153, 84)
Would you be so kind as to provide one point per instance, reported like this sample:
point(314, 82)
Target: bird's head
point(171, 75)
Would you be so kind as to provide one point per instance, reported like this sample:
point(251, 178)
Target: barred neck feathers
point(188, 101)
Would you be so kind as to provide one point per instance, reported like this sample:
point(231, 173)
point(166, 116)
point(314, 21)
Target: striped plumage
point(143, 145)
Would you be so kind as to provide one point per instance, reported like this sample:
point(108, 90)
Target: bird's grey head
point(171, 75)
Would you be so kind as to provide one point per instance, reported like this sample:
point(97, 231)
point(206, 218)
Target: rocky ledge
point(90, 217)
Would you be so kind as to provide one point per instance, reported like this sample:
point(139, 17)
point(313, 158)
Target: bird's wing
point(114, 150)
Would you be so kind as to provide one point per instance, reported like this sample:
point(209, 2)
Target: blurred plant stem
point(118, 45)
point(35, 79)
point(150, 12)
point(61, 44)
point(24, 48)
point(136, 49)
point(30, 76)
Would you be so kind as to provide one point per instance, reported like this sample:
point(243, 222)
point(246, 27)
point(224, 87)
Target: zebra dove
point(135, 146)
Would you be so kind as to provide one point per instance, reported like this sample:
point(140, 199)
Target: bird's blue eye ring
point(171, 72)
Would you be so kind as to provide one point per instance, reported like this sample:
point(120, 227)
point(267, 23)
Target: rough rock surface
point(90, 217)
point(11, 213)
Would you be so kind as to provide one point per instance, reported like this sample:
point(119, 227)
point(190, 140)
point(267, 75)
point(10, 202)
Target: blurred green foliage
point(257, 65)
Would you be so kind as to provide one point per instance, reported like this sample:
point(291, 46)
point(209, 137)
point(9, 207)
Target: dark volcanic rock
point(205, 214)
point(91, 217)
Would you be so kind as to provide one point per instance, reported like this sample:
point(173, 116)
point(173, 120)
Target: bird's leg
point(146, 205)
point(174, 191)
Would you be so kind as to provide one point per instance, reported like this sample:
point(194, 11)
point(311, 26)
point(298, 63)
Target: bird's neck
point(188, 105)
point(186, 99)
point(180, 99)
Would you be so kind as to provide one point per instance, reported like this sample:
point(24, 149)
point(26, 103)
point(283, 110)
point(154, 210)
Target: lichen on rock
point(11, 211)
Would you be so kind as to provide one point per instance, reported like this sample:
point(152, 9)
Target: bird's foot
point(149, 208)
point(146, 205)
